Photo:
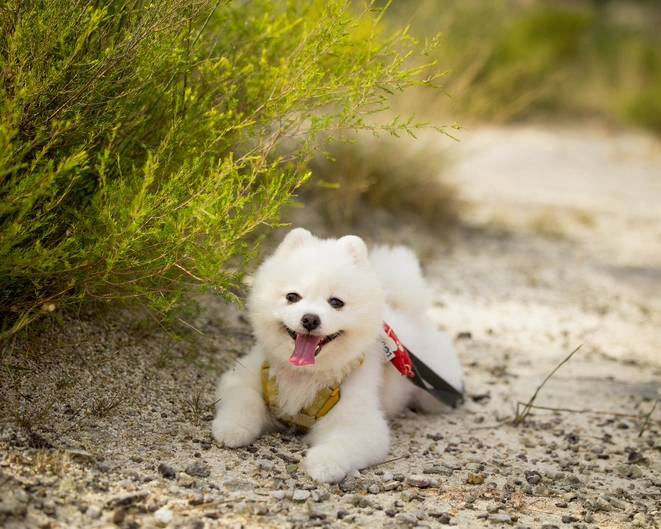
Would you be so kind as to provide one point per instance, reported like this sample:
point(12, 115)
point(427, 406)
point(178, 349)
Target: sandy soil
point(105, 420)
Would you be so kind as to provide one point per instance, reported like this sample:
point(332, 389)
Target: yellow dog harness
point(324, 402)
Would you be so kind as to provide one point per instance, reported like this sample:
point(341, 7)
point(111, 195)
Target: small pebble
point(406, 519)
point(264, 464)
point(167, 471)
point(197, 499)
point(301, 495)
point(163, 515)
point(500, 517)
point(474, 479)
point(118, 515)
point(442, 517)
point(420, 481)
point(199, 469)
point(391, 485)
point(533, 477)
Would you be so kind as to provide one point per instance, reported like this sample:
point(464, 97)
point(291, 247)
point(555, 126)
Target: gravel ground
point(106, 420)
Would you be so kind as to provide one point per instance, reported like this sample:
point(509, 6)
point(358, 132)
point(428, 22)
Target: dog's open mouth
point(307, 346)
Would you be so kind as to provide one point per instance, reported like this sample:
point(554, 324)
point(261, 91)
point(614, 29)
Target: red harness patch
point(398, 355)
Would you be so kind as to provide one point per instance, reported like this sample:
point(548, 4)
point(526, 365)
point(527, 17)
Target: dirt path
point(561, 247)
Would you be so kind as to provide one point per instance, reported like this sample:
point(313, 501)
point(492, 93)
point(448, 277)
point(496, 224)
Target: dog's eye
point(293, 297)
point(336, 303)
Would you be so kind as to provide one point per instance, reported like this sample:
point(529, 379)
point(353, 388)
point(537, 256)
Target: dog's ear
point(295, 239)
point(356, 248)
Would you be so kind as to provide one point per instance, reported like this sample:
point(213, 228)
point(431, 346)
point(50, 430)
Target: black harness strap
point(433, 384)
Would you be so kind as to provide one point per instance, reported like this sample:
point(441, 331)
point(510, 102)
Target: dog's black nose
point(310, 321)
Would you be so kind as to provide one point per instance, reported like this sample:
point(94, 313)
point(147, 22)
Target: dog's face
point(316, 302)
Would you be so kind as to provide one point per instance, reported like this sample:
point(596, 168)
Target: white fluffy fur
point(387, 285)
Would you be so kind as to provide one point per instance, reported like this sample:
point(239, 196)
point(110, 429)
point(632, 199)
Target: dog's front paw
point(326, 463)
point(232, 433)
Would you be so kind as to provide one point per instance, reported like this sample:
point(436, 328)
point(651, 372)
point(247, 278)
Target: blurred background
point(544, 60)
point(554, 81)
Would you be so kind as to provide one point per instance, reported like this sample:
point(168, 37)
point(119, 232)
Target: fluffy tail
point(400, 273)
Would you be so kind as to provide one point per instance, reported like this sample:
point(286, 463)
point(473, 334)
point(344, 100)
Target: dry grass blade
point(390, 461)
point(647, 418)
point(522, 414)
point(588, 411)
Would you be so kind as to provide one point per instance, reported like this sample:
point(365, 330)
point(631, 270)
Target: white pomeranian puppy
point(317, 307)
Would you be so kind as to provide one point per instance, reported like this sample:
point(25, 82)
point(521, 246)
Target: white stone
point(163, 515)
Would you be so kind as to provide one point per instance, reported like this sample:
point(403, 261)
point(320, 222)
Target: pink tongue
point(306, 345)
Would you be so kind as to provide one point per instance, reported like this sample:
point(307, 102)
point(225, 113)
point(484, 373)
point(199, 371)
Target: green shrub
point(510, 61)
point(137, 138)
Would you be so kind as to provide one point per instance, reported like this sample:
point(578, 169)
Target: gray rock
point(197, 499)
point(301, 495)
point(500, 517)
point(390, 485)
point(279, 494)
point(185, 481)
point(163, 516)
point(265, 464)
point(442, 517)
point(437, 469)
point(365, 502)
point(167, 471)
point(351, 484)
point(119, 515)
point(373, 489)
point(421, 481)
point(406, 519)
point(533, 477)
point(199, 469)
point(315, 511)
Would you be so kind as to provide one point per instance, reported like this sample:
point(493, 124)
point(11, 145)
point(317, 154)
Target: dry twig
point(521, 415)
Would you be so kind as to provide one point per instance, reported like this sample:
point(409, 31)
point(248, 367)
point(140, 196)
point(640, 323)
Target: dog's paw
point(233, 434)
point(326, 464)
